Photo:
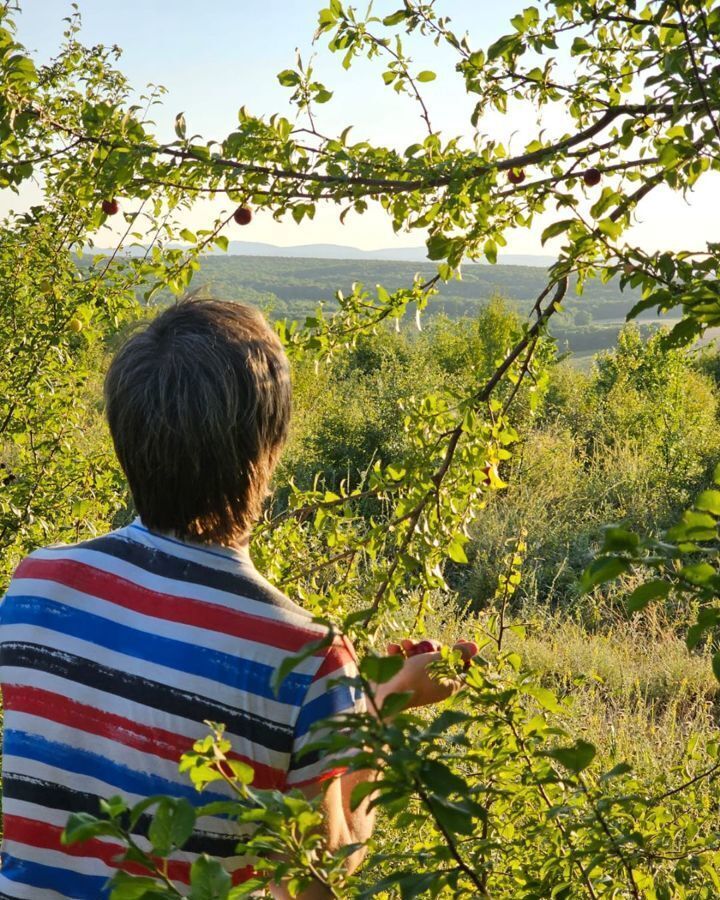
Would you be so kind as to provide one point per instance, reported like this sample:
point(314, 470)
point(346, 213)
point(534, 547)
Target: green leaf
point(426, 75)
point(290, 663)
point(395, 18)
point(441, 780)
point(575, 758)
point(180, 126)
point(171, 825)
point(601, 570)
point(610, 228)
point(380, 669)
point(454, 817)
point(360, 615)
point(241, 771)
point(456, 551)
point(579, 46)
point(326, 17)
point(694, 633)
point(208, 880)
point(134, 887)
point(716, 474)
point(288, 78)
point(616, 771)
point(698, 573)
point(438, 246)
point(395, 703)
point(716, 665)
point(684, 333)
point(555, 229)
point(83, 826)
point(544, 697)
point(618, 540)
point(709, 501)
point(360, 792)
point(642, 595)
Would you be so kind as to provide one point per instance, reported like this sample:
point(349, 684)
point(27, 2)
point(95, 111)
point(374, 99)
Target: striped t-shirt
point(113, 654)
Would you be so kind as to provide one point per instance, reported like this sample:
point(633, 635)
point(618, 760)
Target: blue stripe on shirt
point(338, 699)
point(233, 671)
point(51, 878)
point(121, 778)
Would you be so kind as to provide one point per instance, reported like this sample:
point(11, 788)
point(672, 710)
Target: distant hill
point(291, 282)
point(341, 251)
point(292, 285)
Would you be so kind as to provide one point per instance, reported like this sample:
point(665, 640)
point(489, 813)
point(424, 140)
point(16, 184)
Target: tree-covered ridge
point(291, 288)
point(289, 281)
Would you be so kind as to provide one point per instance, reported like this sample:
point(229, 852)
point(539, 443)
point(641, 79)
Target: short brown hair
point(198, 405)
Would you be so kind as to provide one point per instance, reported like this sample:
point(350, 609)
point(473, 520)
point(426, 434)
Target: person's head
point(198, 405)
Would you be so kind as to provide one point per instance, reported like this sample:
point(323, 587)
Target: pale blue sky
point(215, 57)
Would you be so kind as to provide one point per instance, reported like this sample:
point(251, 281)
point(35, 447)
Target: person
point(115, 651)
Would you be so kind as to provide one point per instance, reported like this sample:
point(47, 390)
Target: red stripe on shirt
point(47, 837)
point(156, 741)
point(338, 657)
point(184, 610)
point(32, 833)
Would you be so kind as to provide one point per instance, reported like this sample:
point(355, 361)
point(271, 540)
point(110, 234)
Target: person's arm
point(344, 826)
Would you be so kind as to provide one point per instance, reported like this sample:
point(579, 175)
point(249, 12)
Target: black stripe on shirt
point(175, 702)
point(50, 795)
point(166, 565)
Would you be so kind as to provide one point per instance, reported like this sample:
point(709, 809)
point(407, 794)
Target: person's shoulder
point(63, 551)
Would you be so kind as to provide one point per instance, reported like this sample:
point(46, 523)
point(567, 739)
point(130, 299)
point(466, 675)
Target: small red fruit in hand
point(110, 207)
point(468, 649)
point(423, 647)
point(243, 215)
point(592, 177)
point(516, 176)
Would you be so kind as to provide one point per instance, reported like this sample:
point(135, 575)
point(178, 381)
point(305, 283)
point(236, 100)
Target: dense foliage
point(503, 793)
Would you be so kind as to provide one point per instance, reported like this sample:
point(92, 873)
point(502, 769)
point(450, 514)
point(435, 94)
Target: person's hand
point(414, 677)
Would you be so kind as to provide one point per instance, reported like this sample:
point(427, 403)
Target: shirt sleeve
point(325, 698)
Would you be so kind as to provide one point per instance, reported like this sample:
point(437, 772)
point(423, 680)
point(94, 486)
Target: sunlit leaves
point(576, 757)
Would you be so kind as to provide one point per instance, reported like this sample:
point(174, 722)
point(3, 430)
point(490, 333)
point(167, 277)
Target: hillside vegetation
point(292, 288)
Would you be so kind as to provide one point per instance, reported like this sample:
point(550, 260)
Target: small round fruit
point(243, 215)
point(516, 176)
point(75, 325)
point(592, 177)
point(469, 650)
point(423, 647)
point(110, 207)
point(629, 269)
